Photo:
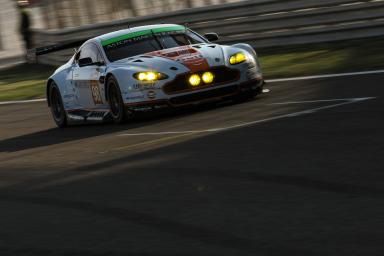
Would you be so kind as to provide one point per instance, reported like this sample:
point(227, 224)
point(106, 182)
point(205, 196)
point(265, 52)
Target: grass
point(27, 81)
point(346, 56)
point(24, 81)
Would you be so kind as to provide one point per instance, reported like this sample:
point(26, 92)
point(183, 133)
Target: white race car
point(148, 68)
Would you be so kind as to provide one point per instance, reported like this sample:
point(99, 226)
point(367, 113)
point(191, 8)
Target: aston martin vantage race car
point(147, 68)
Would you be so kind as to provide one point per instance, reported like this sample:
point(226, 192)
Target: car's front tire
point(115, 101)
point(56, 105)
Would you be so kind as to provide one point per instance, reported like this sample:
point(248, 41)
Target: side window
point(91, 51)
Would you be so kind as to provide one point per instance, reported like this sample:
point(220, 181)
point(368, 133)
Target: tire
point(115, 101)
point(56, 104)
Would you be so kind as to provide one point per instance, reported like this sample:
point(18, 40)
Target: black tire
point(115, 101)
point(56, 105)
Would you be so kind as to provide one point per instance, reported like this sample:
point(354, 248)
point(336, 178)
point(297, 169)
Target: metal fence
point(261, 23)
point(58, 14)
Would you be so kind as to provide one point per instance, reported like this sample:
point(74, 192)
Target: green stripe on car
point(141, 33)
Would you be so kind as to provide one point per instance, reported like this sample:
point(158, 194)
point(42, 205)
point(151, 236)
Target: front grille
point(199, 96)
point(222, 75)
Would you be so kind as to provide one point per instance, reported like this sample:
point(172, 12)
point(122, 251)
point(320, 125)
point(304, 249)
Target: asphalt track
point(301, 177)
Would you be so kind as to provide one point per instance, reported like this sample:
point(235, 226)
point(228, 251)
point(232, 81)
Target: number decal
point(96, 92)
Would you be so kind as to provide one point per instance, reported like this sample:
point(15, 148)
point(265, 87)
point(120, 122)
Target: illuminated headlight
point(237, 58)
point(207, 77)
point(149, 76)
point(194, 80)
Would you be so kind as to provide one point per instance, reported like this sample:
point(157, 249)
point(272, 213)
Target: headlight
point(194, 80)
point(207, 77)
point(237, 58)
point(150, 76)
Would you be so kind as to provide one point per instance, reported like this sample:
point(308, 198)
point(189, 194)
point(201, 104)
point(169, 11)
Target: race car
point(147, 68)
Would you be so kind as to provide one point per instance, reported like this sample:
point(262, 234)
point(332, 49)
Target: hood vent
point(212, 46)
point(138, 60)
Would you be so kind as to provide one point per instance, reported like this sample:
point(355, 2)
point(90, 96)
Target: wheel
point(56, 105)
point(116, 104)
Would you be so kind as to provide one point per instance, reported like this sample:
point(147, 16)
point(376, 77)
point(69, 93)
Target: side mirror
point(211, 37)
point(85, 62)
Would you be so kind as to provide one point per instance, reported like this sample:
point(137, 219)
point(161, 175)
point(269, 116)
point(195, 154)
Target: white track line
point(316, 101)
point(325, 76)
point(20, 101)
point(268, 81)
point(220, 129)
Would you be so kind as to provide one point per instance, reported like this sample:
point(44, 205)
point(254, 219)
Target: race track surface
point(301, 177)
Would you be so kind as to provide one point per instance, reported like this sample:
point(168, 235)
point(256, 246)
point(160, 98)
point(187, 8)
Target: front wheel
point(56, 105)
point(116, 104)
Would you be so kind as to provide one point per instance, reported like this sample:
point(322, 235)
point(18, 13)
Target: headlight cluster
point(150, 76)
point(206, 77)
point(237, 58)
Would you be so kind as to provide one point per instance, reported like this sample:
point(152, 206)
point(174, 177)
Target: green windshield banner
point(141, 33)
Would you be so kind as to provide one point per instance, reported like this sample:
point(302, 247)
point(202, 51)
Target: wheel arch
point(247, 48)
point(108, 76)
point(48, 87)
point(121, 76)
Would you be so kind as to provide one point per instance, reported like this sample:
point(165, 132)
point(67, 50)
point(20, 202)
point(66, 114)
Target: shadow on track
point(56, 136)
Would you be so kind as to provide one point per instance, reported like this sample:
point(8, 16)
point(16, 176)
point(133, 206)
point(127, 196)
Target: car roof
point(134, 31)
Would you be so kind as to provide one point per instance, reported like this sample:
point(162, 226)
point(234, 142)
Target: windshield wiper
point(157, 40)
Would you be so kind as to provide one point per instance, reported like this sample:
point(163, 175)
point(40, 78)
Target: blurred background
point(292, 37)
point(61, 14)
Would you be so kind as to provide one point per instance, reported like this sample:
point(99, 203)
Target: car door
point(88, 89)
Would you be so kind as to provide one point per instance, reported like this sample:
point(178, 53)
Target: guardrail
point(261, 23)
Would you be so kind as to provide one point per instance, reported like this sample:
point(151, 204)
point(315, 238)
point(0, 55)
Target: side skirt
point(82, 116)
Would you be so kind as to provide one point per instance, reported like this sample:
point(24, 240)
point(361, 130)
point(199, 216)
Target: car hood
point(190, 58)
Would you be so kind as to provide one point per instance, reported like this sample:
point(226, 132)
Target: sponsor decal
point(144, 108)
point(82, 84)
point(143, 86)
point(151, 94)
point(96, 92)
point(136, 86)
point(135, 97)
point(124, 39)
point(186, 55)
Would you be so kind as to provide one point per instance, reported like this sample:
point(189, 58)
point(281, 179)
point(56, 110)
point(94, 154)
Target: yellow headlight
point(194, 80)
point(232, 60)
point(237, 58)
point(149, 76)
point(207, 77)
point(142, 76)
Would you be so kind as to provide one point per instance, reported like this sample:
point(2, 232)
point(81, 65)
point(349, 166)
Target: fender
point(246, 47)
point(251, 50)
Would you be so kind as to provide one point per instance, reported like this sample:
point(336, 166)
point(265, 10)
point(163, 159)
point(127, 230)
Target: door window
point(90, 50)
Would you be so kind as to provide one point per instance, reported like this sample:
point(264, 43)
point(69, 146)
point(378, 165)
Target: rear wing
point(32, 54)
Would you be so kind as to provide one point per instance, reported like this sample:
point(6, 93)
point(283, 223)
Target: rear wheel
point(56, 105)
point(116, 104)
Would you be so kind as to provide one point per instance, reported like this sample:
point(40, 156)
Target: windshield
point(150, 42)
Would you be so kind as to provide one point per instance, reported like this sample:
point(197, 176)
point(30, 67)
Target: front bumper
point(198, 97)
